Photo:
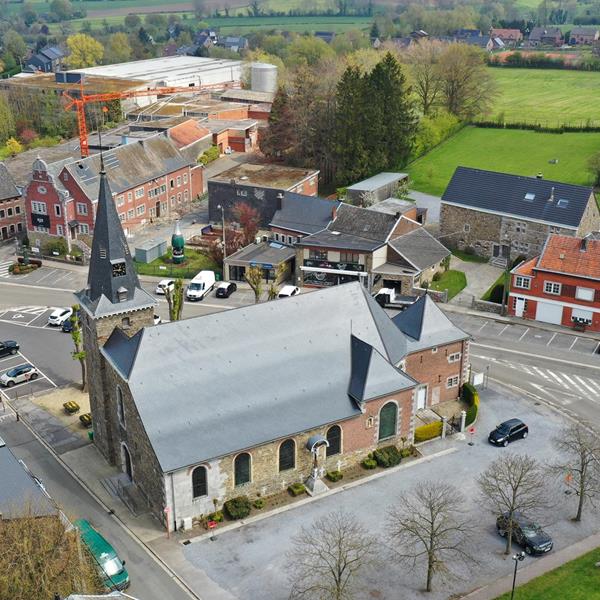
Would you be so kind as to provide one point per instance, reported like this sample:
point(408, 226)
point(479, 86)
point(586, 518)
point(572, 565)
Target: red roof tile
point(526, 268)
point(576, 256)
point(187, 133)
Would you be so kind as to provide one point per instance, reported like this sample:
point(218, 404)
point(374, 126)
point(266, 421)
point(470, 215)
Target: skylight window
point(529, 197)
point(562, 203)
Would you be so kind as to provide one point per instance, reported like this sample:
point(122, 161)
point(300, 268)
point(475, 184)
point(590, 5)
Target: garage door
point(549, 313)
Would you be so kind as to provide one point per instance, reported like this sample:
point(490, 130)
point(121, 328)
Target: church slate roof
point(259, 373)
point(426, 326)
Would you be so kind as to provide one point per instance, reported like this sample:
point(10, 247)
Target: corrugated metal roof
point(377, 181)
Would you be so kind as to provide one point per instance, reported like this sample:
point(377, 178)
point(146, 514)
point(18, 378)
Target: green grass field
point(511, 151)
point(453, 281)
point(578, 579)
point(548, 96)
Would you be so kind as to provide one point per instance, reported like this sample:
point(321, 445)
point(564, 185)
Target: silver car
point(20, 374)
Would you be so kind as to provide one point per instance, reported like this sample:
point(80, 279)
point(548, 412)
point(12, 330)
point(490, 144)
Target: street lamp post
point(506, 287)
point(520, 556)
point(224, 246)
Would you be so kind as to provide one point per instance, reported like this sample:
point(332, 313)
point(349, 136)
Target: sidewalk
point(537, 567)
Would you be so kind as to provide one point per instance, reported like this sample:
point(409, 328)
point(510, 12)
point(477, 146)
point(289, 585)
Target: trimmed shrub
point(471, 396)
point(436, 276)
point(59, 245)
point(209, 155)
point(369, 463)
point(71, 407)
point(334, 475)
point(497, 293)
point(296, 489)
point(428, 432)
point(217, 516)
point(238, 508)
point(258, 503)
point(389, 456)
point(405, 452)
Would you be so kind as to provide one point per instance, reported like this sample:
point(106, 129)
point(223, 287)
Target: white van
point(201, 285)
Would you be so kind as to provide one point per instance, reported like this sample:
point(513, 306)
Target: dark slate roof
point(304, 214)
point(265, 253)
point(537, 33)
point(52, 52)
point(109, 247)
point(419, 248)
point(426, 326)
point(19, 489)
point(254, 374)
point(344, 241)
point(130, 165)
point(8, 189)
point(503, 193)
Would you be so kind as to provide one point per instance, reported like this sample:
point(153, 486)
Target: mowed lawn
point(578, 579)
point(546, 96)
point(509, 151)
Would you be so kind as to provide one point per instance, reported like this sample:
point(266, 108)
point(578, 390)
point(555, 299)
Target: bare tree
point(175, 300)
point(424, 59)
point(79, 352)
point(514, 483)
point(254, 278)
point(579, 448)
point(328, 557)
point(430, 525)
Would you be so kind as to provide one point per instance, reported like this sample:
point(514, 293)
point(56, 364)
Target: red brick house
point(150, 179)
point(12, 215)
point(510, 37)
point(561, 285)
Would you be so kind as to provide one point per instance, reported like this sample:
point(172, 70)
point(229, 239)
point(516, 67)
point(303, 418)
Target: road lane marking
point(589, 387)
point(505, 328)
point(550, 340)
point(574, 342)
point(524, 334)
point(574, 383)
point(596, 348)
point(482, 326)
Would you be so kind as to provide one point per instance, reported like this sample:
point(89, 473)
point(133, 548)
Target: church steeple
point(113, 285)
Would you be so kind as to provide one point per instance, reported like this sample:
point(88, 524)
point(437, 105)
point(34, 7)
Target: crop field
point(507, 150)
point(547, 96)
point(229, 25)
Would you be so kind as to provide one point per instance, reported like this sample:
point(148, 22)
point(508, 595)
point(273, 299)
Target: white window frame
point(452, 381)
point(454, 357)
point(120, 200)
point(57, 211)
point(84, 228)
point(131, 213)
point(522, 282)
point(467, 228)
point(129, 196)
point(82, 208)
point(178, 180)
point(140, 210)
point(139, 193)
point(552, 287)
point(434, 350)
point(41, 208)
point(580, 294)
point(59, 230)
point(185, 178)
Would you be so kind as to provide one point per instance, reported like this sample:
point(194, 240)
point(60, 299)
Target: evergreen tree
point(279, 136)
point(375, 33)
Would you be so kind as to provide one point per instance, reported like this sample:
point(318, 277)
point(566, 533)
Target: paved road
point(149, 580)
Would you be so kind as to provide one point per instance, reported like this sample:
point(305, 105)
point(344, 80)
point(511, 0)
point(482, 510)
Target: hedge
point(334, 475)
point(296, 489)
point(389, 456)
point(471, 396)
point(238, 508)
point(428, 432)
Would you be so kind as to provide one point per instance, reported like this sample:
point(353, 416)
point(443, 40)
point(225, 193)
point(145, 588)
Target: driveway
point(480, 277)
point(249, 562)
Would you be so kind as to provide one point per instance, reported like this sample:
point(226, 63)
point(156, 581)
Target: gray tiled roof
point(272, 253)
point(426, 326)
point(419, 248)
point(377, 181)
point(260, 373)
point(304, 214)
point(518, 196)
point(8, 189)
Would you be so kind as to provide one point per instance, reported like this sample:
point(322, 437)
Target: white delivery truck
point(200, 286)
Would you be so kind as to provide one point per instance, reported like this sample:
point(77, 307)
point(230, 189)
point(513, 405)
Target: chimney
point(279, 200)
point(398, 215)
point(539, 176)
point(583, 246)
point(551, 199)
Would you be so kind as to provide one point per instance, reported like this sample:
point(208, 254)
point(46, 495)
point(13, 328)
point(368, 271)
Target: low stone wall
point(484, 306)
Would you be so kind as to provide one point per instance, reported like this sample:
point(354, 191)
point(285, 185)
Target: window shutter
point(568, 290)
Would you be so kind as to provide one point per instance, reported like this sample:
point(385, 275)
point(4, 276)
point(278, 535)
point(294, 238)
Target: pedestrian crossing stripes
point(4, 268)
point(30, 310)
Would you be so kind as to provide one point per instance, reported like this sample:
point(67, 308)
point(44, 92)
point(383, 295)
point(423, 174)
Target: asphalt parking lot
point(37, 386)
point(48, 276)
point(249, 562)
point(29, 316)
point(481, 327)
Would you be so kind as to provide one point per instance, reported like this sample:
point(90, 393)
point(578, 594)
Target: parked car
point(67, 325)
point(288, 290)
point(526, 533)
point(509, 431)
point(111, 568)
point(163, 285)
point(8, 347)
point(19, 374)
point(59, 315)
point(200, 286)
point(225, 289)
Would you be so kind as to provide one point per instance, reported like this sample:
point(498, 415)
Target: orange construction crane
point(80, 102)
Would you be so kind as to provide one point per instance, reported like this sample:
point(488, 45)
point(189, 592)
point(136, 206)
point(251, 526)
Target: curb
point(282, 509)
point(172, 574)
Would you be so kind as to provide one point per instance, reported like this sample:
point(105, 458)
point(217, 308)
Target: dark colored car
point(67, 326)
point(509, 431)
point(8, 347)
point(225, 289)
point(526, 533)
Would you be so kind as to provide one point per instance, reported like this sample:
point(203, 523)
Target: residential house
point(233, 43)
point(315, 377)
point(503, 216)
point(545, 36)
point(151, 179)
point(258, 185)
point(298, 215)
point(326, 36)
point(486, 43)
point(467, 33)
point(12, 213)
point(376, 188)
point(561, 285)
point(510, 37)
point(276, 260)
point(583, 36)
point(376, 248)
point(47, 60)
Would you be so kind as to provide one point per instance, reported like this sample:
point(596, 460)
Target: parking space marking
point(482, 326)
point(574, 342)
point(596, 348)
point(503, 330)
point(550, 340)
point(524, 334)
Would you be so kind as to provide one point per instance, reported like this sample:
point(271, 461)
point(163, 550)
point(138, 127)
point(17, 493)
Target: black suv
point(509, 431)
point(8, 347)
point(526, 533)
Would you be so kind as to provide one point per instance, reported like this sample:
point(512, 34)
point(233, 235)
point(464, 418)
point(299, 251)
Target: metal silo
point(263, 77)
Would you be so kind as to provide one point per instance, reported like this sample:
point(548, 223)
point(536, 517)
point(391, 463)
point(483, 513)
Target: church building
point(198, 411)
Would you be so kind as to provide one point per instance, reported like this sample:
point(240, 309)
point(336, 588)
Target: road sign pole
point(472, 433)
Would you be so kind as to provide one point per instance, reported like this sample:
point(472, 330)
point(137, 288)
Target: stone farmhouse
point(502, 216)
point(327, 370)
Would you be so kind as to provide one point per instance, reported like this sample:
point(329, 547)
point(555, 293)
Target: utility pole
point(506, 287)
point(224, 246)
